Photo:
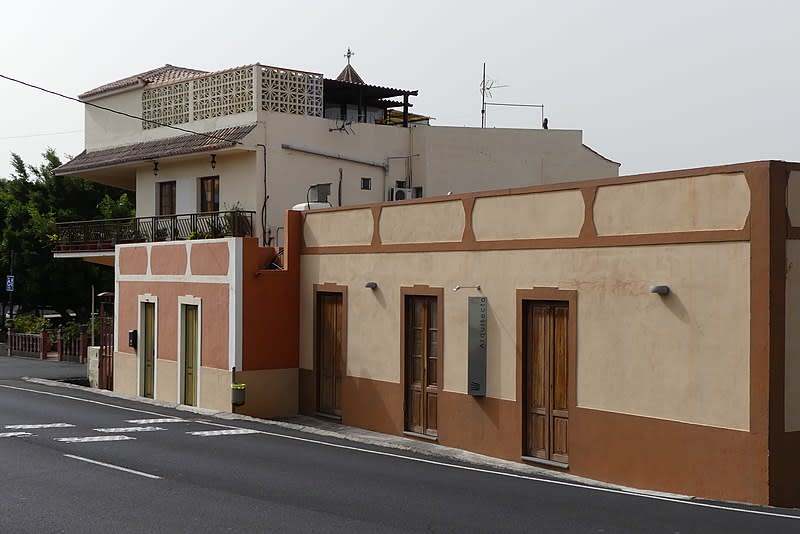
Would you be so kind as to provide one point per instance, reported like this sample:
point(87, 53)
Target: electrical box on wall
point(477, 340)
point(133, 338)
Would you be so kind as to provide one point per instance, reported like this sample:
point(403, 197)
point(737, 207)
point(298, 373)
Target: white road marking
point(14, 434)
point(92, 439)
point(32, 427)
point(233, 432)
point(522, 477)
point(443, 464)
point(112, 466)
point(122, 430)
point(156, 421)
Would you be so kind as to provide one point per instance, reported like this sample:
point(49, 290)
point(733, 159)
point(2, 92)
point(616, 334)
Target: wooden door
point(545, 380)
point(148, 347)
point(330, 357)
point(190, 355)
point(421, 365)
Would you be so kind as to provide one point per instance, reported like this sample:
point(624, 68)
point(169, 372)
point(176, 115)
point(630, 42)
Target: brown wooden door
point(545, 380)
point(330, 357)
point(148, 348)
point(422, 364)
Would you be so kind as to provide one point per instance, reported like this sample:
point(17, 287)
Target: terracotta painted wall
point(270, 301)
point(165, 272)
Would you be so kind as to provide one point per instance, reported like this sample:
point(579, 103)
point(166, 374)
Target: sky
point(654, 85)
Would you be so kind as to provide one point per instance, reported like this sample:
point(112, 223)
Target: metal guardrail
point(99, 235)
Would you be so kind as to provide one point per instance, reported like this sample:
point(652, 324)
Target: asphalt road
point(75, 461)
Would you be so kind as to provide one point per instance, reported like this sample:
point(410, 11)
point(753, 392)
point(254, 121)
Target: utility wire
point(129, 115)
point(39, 135)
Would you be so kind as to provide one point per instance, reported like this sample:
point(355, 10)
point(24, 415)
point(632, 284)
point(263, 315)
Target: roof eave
point(117, 90)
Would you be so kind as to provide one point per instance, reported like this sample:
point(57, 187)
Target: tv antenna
point(343, 127)
point(486, 90)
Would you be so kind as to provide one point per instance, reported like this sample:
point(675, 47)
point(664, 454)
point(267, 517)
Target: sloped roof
point(167, 73)
point(349, 74)
point(150, 150)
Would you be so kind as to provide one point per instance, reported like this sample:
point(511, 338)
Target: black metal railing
point(83, 236)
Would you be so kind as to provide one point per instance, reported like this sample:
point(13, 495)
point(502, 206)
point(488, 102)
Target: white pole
point(91, 315)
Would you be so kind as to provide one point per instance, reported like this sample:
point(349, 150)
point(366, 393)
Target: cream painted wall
point(215, 389)
point(713, 202)
point(462, 159)
point(792, 354)
point(535, 215)
point(683, 358)
point(125, 373)
point(167, 380)
point(104, 129)
point(351, 227)
point(239, 182)
point(290, 173)
point(422, 223)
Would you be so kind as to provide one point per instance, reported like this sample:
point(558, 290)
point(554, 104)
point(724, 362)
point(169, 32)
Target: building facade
point(637, 330)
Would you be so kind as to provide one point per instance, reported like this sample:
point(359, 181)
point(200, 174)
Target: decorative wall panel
point(289, 91)
point(224, 93)
point(168, 104)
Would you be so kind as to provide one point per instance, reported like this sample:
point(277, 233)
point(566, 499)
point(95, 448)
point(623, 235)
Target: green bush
point(30, 324)
point(72, 330)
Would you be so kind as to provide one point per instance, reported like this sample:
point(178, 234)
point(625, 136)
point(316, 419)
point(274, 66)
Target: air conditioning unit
point(401, 193)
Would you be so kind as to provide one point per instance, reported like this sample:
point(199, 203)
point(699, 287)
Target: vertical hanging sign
point(477, 339)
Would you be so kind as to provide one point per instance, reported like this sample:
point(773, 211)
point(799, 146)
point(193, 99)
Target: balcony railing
point(102, 235)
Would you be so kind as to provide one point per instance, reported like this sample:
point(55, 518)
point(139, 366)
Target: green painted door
point(148, 347)
point(189, 354)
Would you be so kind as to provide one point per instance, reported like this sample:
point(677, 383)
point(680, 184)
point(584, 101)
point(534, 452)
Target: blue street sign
point(10, 283)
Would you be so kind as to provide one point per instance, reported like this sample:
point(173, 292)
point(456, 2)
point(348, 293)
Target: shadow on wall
point(675, 305)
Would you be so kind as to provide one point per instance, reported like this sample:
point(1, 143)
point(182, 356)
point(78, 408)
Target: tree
point(31, 201)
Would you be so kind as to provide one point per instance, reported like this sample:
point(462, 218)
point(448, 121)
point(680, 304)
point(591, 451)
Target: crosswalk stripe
point(14, 434)
point(233, 432)
point(155, 421)
point(45, 425)
point(91, 439)
point(129, 429)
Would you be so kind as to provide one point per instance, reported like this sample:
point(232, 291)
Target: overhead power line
point(118, 112)
point(40, 135)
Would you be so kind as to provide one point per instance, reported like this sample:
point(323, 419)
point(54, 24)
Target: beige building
point(256, 138)
point(637, 330)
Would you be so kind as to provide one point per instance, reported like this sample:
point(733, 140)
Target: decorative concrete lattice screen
point(166, 105)
point(224, 93)
point(290, 91)
point(230, 92)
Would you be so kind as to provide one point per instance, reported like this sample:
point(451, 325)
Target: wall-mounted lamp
point(371, 285)
point(213, 161)
point(155, 168)
point(660, 290)
point(476, 286)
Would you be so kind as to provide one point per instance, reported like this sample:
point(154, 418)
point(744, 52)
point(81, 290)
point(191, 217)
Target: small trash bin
point(238, 394)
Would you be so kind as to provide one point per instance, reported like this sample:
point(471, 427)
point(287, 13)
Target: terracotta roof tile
point(167, 73)
point(349, 74)
point(172, 146)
